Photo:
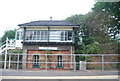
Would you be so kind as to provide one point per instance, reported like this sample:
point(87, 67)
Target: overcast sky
point(14, 12)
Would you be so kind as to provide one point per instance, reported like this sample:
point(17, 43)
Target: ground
point(57, 73)
point(62, 80)
point(88, 74)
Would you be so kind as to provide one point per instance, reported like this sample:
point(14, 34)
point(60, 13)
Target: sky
point(14, 12)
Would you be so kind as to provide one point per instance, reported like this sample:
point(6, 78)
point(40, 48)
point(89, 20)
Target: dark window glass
point(35, 60)
point(69, 35)
point(59, 60)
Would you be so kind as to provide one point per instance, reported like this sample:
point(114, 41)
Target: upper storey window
point(36, 35)
point(19, 35)
point(51, 36)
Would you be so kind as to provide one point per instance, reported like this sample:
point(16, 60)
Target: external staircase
point(7, 45)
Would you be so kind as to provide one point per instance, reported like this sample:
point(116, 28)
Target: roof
point(48, 23)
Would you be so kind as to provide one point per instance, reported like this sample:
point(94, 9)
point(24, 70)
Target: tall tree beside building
point(99, 25)
point(113, 9)
point(77, 19)
point(9, 34)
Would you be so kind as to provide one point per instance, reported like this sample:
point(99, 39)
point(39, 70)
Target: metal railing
point(67, 62)
point(6, 45)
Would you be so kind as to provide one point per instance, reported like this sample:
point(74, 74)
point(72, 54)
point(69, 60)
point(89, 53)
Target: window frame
point(60, 61)
point(54, 35)
point(36, 59)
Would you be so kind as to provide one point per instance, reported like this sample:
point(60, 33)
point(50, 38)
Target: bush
point(15, 51)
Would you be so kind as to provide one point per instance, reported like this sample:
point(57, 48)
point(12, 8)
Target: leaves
point(113, 9)
point(9, 34)
point(97, 27)
point(93, 48)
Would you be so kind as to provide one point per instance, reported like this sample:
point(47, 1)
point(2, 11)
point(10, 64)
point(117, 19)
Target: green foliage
point(96, 26)
point(88, 40)
point(92, 25)
point(17, 51)
point(100, 25)
point(9, 34)
point(118, 50)
point(76, 19)
point(93, 48)
point(48, 51)
point(113, 9)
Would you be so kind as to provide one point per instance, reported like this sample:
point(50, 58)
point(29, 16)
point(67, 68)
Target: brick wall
point(51, 58)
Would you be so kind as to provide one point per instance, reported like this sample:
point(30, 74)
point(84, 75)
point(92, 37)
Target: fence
point(60, 61)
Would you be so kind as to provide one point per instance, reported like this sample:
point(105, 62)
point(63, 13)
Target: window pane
point(27, 35)
point(18, 35)
point(31, 34)
point(62, 36)
point(54, 36)
point(36, 59)
point(69, 35)
point(59, 60)
point(35, 32)
point(38, 32)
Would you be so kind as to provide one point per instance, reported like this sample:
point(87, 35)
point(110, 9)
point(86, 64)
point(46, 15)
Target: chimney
point(50, 18)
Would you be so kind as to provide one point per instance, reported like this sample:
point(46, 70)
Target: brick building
point(47, 37)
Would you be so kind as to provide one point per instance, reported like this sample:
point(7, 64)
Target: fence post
point(5, 60)
point(9, 60)
point(74, 63)
point(18, 62)
point(82, 65)
point(6, 52)
point(46, 62)
point(102, 62)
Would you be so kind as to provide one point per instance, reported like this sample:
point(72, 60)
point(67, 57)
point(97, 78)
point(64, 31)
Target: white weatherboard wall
point(51, 28)
point(19, 38)
point(48, 48)
point(18, 43)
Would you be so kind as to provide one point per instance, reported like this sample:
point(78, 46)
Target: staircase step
point(10, 44)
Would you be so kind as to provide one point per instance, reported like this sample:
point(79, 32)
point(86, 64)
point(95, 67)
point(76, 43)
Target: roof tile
point(48, 23)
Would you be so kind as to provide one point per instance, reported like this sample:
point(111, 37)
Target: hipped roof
point(48, 23)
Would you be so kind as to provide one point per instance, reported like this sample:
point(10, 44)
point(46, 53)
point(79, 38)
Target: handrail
point(7, 44)
point(2, 50)
point(2, 43)
point(64, 54)
point(5, 41)
point(2, 46)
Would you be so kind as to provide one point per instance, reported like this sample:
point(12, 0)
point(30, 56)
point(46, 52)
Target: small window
point(19, 35)
point(69, 35)
point(62, 36)
point(59, 61)
point(35, 60)
point(31, 35)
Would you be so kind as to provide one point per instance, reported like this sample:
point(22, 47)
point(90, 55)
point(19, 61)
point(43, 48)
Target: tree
point(94, 27)
point(113, 9)
point(77, 19)
point(9, 34)
point(93, 48)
